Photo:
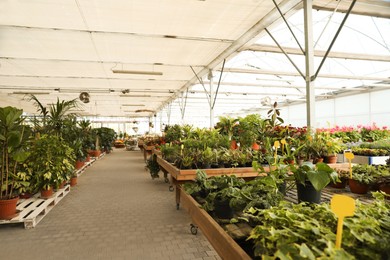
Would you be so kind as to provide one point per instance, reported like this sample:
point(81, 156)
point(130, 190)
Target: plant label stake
point(349, 156)
point(283, 142)
point(276, 146)
point(342, 206)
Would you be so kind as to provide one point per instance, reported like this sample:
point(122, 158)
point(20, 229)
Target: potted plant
point(52, 162)
point(362, 178)
point(311, 179)
point(342, 179)
point(332, 147)
point(153, 166)
point(13, 154)
point(206, 158)
point(227, 126)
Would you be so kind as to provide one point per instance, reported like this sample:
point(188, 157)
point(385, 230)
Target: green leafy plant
point(273, 114)
point(363, 173)
point(153, 166)
point(13, 152)
point(318, 175)
point(52, 161)
point(300, 231)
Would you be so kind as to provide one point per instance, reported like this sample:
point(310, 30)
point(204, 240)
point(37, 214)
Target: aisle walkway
point(115, 212)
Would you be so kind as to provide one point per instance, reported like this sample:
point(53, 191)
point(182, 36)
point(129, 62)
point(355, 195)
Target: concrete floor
point(115, 212)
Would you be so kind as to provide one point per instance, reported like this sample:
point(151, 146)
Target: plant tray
point(223, 244)
point(34, 209)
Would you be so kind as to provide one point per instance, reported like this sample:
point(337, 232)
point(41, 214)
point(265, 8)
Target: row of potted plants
point(40, 153)
point(282, 230)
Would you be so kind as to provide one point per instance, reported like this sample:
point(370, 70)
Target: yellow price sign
point(349, 157)
point(342, 206)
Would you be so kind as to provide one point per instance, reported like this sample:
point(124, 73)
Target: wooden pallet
point(33, 210)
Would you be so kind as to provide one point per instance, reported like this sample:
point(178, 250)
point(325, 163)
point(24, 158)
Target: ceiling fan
point(84, 97)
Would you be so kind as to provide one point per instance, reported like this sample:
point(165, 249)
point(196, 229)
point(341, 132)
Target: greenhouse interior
point(195, 129)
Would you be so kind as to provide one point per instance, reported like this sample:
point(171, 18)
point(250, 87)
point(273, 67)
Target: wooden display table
point(181, 176)
point(147, 149)
point(225, 246)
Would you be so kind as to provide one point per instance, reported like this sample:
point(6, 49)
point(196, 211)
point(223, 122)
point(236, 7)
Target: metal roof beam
point(319, 53)
point(292, 74)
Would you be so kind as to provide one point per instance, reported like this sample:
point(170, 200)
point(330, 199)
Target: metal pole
point(212, 93)
point(309, 61)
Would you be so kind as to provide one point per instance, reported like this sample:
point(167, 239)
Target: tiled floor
point(115, 212)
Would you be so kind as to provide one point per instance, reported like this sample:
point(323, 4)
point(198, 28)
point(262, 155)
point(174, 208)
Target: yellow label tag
point(342, 206)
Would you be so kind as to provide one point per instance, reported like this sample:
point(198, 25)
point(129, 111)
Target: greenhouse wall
point(360, 109)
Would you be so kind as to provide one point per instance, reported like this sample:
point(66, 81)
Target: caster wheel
point(177, 206)
point(194, 229)
point(166, 180)
point(171, 188)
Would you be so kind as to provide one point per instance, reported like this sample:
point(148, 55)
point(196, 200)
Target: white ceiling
point(58, 49)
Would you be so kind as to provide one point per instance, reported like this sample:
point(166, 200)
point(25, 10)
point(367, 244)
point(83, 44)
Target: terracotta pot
point(358, 187)
point(8, 208)
point(339, 185)
point(45, 194)
point(79, 165)
point(62, 185)
point(88, 159)
point(255, 146)
point(95, 153)
point(386, 189)
point(25, 195)
point(318, 160)
point(233, 145)
point(331, 159)
point(73, 181)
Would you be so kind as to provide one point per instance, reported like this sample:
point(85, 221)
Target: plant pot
point(282, 188)
point(358, 187)
point(307, 193)
point(88, 159)
point(318, 160)
point(222, 209)
point(73, 181)
point(255, 146)
point(8, 208)
point(79, 165)
point(45, 194)
point(331, 159)
point(62, 185)
point(386, 189)
point(233, 145)
point(25, 195)
point(95, 153)
point(339, 185)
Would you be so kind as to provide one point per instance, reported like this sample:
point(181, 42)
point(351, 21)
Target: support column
point(309, 61)
point(212, 94)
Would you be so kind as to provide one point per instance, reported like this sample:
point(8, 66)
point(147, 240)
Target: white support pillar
point(309, 61)
point(212, 96)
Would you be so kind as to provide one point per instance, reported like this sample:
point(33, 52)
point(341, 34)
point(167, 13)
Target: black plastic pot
point(222, 209)
point(282, 188)
point(307, 193)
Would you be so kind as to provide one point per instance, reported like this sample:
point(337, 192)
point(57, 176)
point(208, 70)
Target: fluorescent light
point(144, 110)
point(30, 93)
point(138, 72)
